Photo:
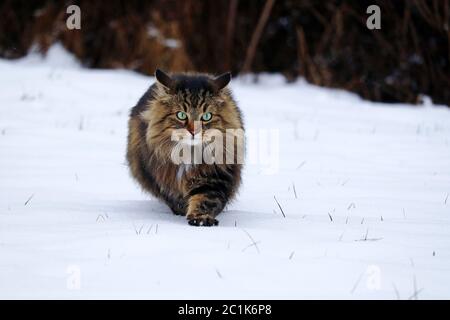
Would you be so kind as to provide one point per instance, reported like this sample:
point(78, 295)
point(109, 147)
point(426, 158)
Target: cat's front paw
point(202, 220)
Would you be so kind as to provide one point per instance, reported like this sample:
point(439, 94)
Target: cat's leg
point(207, 194)
point(203, 208)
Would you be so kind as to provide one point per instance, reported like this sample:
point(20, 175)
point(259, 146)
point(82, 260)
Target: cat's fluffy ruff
point(202, 191)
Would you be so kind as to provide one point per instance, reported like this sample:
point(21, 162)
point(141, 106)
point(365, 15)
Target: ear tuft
point(223, 80)
point(164, 79)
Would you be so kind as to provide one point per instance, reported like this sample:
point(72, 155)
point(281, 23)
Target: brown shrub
point(325, 42)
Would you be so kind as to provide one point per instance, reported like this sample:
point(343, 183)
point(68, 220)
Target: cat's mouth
point(199, 139)
point(184, 137)
point(191, 140)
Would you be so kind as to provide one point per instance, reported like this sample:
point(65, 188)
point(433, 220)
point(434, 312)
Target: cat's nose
point(191, 128)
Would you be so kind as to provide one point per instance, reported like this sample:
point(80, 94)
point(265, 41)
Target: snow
point(371, 218)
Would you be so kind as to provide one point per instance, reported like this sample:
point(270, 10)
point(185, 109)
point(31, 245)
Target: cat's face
point(190, 109)
point(189, 116)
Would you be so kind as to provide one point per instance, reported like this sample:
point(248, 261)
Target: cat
point(190, 105)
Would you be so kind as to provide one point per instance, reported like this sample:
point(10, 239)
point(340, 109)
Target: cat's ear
point(223, 80)
point(164, 79)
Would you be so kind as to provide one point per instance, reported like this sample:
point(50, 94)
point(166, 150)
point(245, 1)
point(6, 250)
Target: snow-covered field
point(364, 188)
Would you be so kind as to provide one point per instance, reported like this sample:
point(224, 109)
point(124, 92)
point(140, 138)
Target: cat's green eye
point(181, 115)
point(207, 116)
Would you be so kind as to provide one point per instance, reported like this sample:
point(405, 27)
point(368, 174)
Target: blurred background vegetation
point(326, 42)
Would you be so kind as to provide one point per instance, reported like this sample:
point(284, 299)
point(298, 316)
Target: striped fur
point(199, 192)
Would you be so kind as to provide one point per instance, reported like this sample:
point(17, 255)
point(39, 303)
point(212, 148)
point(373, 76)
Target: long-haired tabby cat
point(188, 104)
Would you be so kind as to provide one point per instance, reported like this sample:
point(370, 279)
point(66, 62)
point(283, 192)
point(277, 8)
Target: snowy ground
point(371, 218)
